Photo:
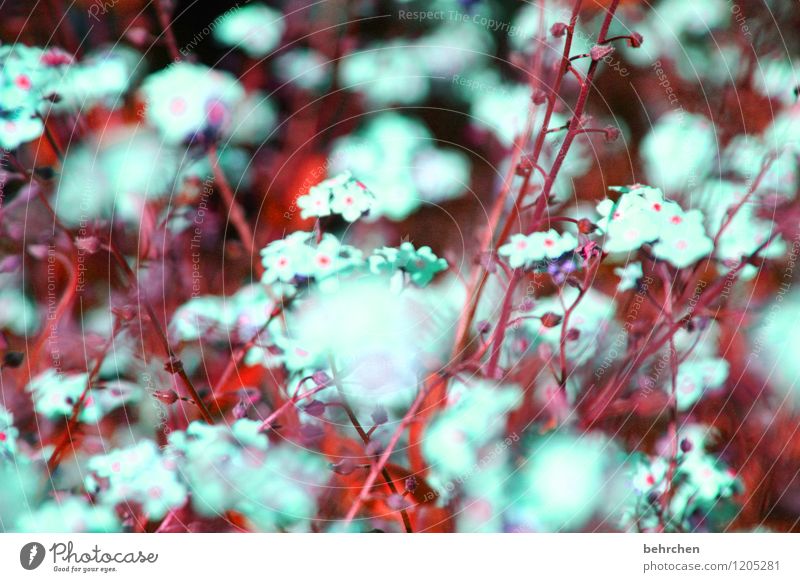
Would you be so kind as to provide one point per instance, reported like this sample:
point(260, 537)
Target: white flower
point(299, 255)
point(138, 474)
point(680, 150)
point(392, 154)
point(642, 215)
point(304, 67)
point(256, 29)
point(387, 73)
point(185, 101)
point(525, 251)
point(342, 195)
point(421, 264)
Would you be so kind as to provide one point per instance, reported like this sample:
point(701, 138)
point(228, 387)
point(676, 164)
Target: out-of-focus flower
point(215, 460)
point(304, 67)
point(475, 418)
point(593, 318)
point(629, 276)
point(502, 109)
point(18, 313)
point(114, 176)
point(744, 233)
point(453, 48)
point(55, 395)
point(685, 36)
point(71, 514)
point(256, 29)
point(381, 356)
point(138, 474)
point(420, 264)
point(253, 121)
point(102, 78)
point(679, 151)
point(386, 74)
point(773, 340)
point(566, 480)
point(777, 78)
point(697, 376)
point(186, 101)
point(213, 317)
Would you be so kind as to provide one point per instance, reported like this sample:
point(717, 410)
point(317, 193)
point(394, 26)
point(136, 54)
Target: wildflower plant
point(316, 271)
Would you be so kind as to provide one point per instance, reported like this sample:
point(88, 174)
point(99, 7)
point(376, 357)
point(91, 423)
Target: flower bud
point(539, 97)
point(550, 319)
point(586, 226)
point(344, 467)
point(315, 408)
point(558, 30)
point(379, 415)
point(13, 359)
point(612, 134)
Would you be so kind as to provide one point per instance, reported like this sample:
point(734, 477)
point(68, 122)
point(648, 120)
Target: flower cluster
point(342, 195)
point(56, 395)
point(186, 102)
point(300, 256)
point(529, 251)
point(233, 468)
point(138, 475)
point(702, 481)
point(642, 215)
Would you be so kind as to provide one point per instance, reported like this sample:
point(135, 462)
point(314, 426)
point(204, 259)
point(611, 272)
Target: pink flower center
point(23, 82)
point(116, 467)
point(178, 106)
point(323, 260)
point(656, 206)
point(682, 245)
point(3, 437)
point(676, 220)
point(548, 242)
